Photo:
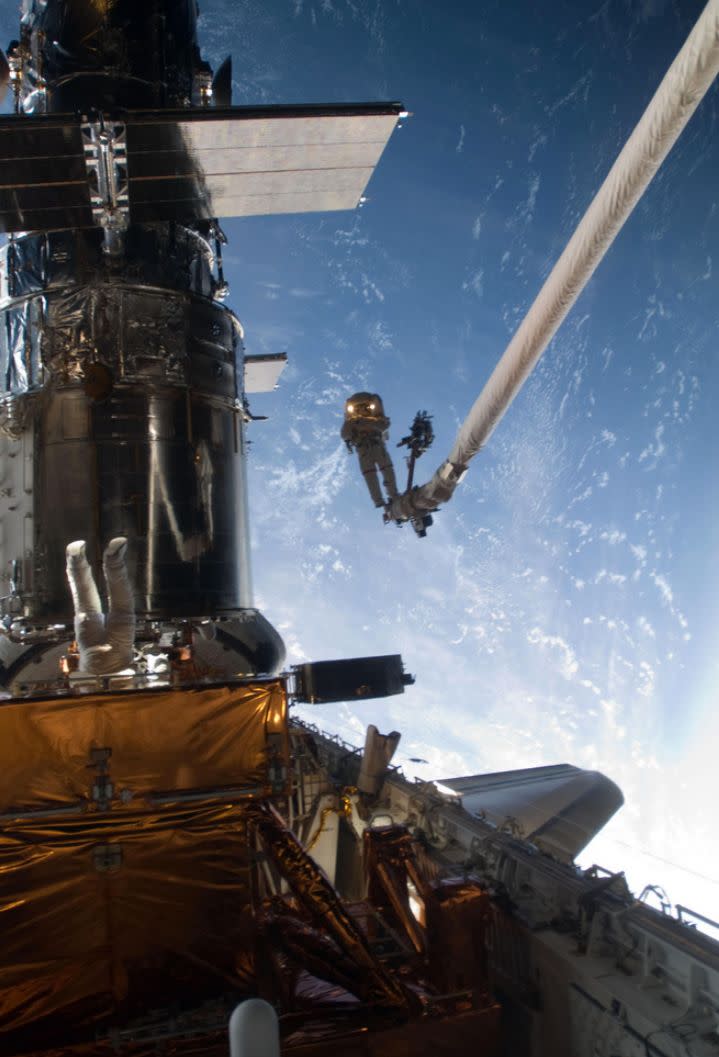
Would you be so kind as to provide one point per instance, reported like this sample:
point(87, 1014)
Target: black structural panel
point(322, 682)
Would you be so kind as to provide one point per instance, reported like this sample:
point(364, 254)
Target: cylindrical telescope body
point(109, 53)
point(121, 373)
point(121, 404)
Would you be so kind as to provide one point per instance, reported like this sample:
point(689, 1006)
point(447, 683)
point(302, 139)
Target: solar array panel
point(196, 164)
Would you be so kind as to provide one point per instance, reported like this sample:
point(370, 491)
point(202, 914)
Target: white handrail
point(680, 92)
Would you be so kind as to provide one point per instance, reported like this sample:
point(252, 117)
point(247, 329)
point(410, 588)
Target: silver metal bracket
point(105, 147)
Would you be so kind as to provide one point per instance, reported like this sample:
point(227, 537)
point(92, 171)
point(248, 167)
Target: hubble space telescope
point(144, 793)
point(124, 380)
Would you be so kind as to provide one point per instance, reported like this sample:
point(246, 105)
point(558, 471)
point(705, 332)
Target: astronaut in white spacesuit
point(365, 431)
point(105, 643)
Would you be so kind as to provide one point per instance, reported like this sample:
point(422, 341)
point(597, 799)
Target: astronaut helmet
point(364, 405)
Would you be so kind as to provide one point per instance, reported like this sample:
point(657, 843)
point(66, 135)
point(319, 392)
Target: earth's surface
point(564, 607)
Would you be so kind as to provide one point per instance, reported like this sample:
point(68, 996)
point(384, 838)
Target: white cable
point(684, 85)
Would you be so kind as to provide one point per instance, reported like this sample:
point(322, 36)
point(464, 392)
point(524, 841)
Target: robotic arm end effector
point(417, 504)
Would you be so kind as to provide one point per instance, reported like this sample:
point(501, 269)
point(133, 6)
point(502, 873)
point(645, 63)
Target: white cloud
point(474, 282)
point(664, 588)
point(656, 449)
point(567, 663)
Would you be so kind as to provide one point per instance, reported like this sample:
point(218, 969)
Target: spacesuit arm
point(105, 644)
point(347, 434)
point(120, 624)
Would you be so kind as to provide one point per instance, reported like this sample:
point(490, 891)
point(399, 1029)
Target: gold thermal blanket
point(108, 913)
point(161, 741)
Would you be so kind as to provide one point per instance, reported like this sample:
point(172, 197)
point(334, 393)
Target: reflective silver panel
point(120, 415)
point(159, 466)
